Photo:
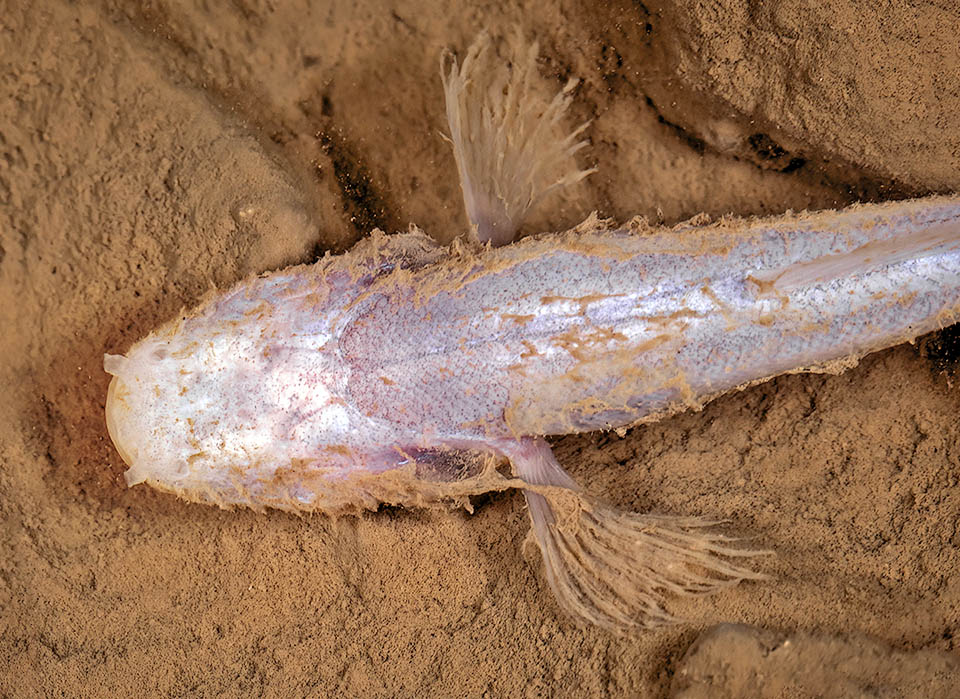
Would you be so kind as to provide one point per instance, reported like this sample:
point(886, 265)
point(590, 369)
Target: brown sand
point(149, 152)
point(732, 661)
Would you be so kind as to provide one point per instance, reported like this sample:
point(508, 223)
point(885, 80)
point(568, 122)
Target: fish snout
point(120, 418)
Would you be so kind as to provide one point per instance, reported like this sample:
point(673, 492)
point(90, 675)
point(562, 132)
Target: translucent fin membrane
point(613, 568)
point(912, 242)
point(508, 146)
point(113, 364)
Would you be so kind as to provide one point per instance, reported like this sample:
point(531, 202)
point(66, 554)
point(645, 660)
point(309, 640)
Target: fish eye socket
point(159, 354)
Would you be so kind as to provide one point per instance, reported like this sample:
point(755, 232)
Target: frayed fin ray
point(615, 569)
point(507, 145)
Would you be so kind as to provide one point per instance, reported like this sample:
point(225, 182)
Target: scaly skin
point(396, 371)
point(336, 366)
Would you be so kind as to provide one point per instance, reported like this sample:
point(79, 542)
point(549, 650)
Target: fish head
point(214, 405)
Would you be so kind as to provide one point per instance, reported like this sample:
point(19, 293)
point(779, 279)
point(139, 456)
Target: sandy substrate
point(150, 152)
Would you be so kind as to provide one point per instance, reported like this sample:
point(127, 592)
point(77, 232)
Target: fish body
point(364, 362)
point(598, 328)
point(404, 372)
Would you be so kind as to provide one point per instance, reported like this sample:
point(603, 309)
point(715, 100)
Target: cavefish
point(409, 373)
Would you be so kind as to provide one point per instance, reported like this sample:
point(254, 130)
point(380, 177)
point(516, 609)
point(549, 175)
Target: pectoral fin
point(613, 568)
point(511, 149)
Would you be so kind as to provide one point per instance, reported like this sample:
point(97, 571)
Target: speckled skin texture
point(283, 390)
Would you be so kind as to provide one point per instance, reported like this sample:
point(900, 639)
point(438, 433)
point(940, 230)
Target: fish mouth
point(115, 412)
